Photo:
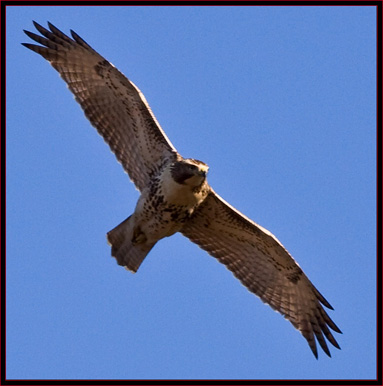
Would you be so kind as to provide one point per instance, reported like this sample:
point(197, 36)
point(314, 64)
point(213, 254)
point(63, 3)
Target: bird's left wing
point(263, 265)
point(111, 102)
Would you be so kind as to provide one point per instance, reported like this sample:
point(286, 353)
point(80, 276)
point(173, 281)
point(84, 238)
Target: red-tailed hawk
point(175, 195)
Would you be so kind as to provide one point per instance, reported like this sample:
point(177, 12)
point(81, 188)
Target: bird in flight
point(175, 195)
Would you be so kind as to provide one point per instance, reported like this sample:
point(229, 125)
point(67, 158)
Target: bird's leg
point(138, 236)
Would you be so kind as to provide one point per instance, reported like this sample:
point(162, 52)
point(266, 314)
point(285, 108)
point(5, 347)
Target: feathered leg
point(129, 245)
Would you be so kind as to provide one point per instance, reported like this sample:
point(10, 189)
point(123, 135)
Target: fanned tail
point(127, 253)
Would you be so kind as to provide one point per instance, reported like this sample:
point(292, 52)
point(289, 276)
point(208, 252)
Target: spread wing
point(112, 103)
point(264, 266)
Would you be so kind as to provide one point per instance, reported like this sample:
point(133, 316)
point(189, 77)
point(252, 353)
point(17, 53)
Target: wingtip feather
point(39, 27)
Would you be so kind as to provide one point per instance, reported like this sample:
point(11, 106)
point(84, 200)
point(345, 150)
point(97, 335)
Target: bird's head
point(189, 172)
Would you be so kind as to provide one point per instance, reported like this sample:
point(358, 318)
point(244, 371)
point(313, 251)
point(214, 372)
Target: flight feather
point(175, 195)
point(111, 102)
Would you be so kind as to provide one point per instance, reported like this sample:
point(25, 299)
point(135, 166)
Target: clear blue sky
point(280, 102)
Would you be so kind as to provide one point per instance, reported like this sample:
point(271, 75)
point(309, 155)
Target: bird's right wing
point(263, 265)
point(112, 103)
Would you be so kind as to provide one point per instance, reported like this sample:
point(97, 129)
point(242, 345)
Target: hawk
point(175, 195)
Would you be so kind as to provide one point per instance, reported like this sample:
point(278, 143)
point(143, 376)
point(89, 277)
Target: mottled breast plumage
point(175, 195)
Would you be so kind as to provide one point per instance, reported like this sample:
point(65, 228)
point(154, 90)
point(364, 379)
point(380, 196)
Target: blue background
point(280, 102)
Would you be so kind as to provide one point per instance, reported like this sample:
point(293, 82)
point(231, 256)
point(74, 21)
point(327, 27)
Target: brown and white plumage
point(113, 104)
point(263, 265)
point(175, 195)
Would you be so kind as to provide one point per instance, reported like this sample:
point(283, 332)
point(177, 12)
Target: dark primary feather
point(112, 103)
point(264, 266)
point(120, 113)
